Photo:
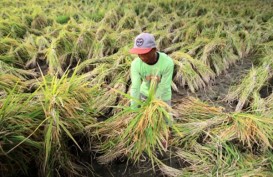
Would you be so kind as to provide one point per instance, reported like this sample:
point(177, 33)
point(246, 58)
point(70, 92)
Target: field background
point(65, 79)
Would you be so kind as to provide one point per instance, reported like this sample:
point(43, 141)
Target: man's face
point(148, 57)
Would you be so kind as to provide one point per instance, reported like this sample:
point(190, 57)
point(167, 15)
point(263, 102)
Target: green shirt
point(142, 72)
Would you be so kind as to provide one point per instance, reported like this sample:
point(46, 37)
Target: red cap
point(140, 50)
point(144, 43)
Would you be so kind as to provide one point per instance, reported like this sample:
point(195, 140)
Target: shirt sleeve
point(136, 82)
point(166, 81)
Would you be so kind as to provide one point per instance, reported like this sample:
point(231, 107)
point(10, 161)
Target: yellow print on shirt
point(152, 77)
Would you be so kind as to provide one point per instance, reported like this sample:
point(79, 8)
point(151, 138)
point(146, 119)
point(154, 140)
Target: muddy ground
point(215, 93)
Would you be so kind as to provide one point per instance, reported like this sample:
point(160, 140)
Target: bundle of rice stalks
point(249, 86)
point(101, 30)
point(99, 74)
point(191, 72)
point(267, 59)
point(108, 45)
point(229, 58)
point(218, 63)
point(208, 144)
point(268, 105)
point(72, 47)
point(34, 49)
point(8, 81)
point(163, 40)
point(194, 118)
point(109, 98)
point(254, 131)
point(195, 49)
point(191, 109)
point(176, 24)
point(196, 159)
point(209, 21)
point(128, 21)
point(66, 104)
point(112, 17)
point(105, 46)
point(125, 37)
point(135, 133)
point(155, 15)
point(213, 46)
point(12, 29)
point(18, 118)
point(91, 64)
point(39, 22)
point(258, 103)
point(16, 72)
point(65, 42)
point(84, 42)
point(53, 61)
point(8, 45)
point(177, 36)
point(185, 133)
point(191, 31)
point(242, 42)
point(250, 129)
point(223, 160)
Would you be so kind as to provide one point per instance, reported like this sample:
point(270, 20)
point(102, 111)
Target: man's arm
point(136, 82)
point(166, 81)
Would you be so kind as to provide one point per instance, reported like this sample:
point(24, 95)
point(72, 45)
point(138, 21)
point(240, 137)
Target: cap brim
point(140, 50)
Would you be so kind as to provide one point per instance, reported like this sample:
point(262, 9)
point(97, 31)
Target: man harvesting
point(150, 65)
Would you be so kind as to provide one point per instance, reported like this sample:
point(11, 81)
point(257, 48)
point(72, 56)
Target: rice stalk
point(212, 46)
point(127, 21)
point(111, 18)
point(20, 73)
point(251, 84)
point(54, 64)
point(237, 45)
point(12, 29)
point(8, 45)
point(18, 118)
point(108, 45)
point(250, 129)
point(191, 109)
point(162, 41)
point(39, 22)
point(64, 102)
point(191, 32)
point(268, 104)
point(135, 132)
point(186, 72)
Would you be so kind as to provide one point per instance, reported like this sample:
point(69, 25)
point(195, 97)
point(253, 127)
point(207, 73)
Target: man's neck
point(155, 59)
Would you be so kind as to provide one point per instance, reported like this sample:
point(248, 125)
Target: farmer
point(149, 65)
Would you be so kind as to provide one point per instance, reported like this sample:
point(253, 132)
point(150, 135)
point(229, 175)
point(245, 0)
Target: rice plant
point(191, 72)
point(250, 129)
point(135, 133)
point(66, 106)
point(250, 85)
point(18, 118)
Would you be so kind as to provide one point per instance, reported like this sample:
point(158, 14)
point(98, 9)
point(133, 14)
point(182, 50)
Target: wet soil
point(215, 93)
point(121, 167)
